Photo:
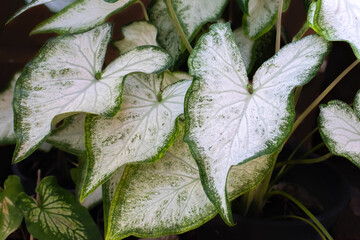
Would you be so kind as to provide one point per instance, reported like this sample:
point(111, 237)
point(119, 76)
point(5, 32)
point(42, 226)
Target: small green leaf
point(10, 215)
point(7, 134)
point(244, 5)
point(262, 15)
point(58, 215)
point(137, 34)
point(230, 120)
point(81, 16)
point(339, 127)
point(61, 81)
point(337, 20)
point(167, 197)
point(141, 131)
point(70, 136)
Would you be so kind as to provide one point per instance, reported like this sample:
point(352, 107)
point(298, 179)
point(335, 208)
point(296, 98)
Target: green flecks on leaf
point(141, 131)
point(226, 125)
point(10, 215)
point(167, 197)
point(58, 215)
point(339, 127)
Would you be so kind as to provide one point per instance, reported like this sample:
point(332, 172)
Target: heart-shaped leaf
point(7, 134)
point(65, 78)
point(230, 120)
point(337, 20)
point(339, 127)
point(10, 215)
point(141, 131)
point(81, 16)
point(167, 197)
point(261, 17)
point(58, 215)
point(192, 15)
point(30, 4)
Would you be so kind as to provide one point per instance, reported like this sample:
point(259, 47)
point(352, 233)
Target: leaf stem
point(308, 222)
point(143, 9)
point(178, 26)
point(304, 209)
point(305, 161)
point(278, 26)
point(322, 95)
point(301, 143)
point(301, 32)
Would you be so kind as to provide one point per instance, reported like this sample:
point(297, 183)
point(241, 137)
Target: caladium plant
point(176, 127)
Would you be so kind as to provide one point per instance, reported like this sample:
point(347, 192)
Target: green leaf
point(81, 16)
point(66, 78)
point(58, 215)
point(141, 131)
point(230, 120)
point(337, 21)
point(339, 127)
point(192, 15)
point(70, 136)
point(137, 34)
point(244, 5)
point(167, 197)
point(261, 17)
point(7, 134)
point(10, 215)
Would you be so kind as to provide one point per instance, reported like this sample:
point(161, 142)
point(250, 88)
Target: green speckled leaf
point(81, 16)
point(229, 120)
point(58, 215)
point(66, 77)
point(192, 15)
point(137, 34)
point(246, 46)
point(7, 134)
point(262, 17)
point(244, 5)
point(167, 197)
point(10, 215)
point(339, 126)
point(173, 77)
point(141, 131)
point(70, 136)
point(338, 20)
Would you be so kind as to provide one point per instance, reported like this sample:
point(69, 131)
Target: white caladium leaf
point(244, 5)
point(70, 136)
point(66, 77)
point(262, 15)
point(167, 197)
point(30, 4)
point(246, 46)
point(192, 15)
point(141, 131)
point(7, 134)
point(173, 77)
point(337, 20)
point(137, 34)
point(58, 215)
point(230, 120)
point(58, 5)
point(339, 127)
point(10, 216)
point(81, 16)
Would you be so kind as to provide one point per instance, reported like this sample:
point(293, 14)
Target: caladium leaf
point(81, 16)
point(337, 21)
point(339, 127)
point(10, 215)
point(7, 134)
point(167, 197)
point(141, 131)
point(261, 16)
point(58, 5)
point(246, 45)
point(192, 15)
point(230, 120)
point(30, 4)
point(58, 215)
point(244, 5)
point(70, 136)
point(137, 34)
point(65, 78)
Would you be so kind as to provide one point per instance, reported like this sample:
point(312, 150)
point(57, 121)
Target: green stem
point(144, 10)
point(301, 143)
point(297, 95)
point(322, 95)
point(320, 145)
point(178, 26)
point(302, 31)
point(304, 209)
point(278, 26)
point(308, 222)
point(305, 161)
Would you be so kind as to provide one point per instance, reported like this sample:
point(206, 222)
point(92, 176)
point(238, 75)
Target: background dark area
point(17, 48)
